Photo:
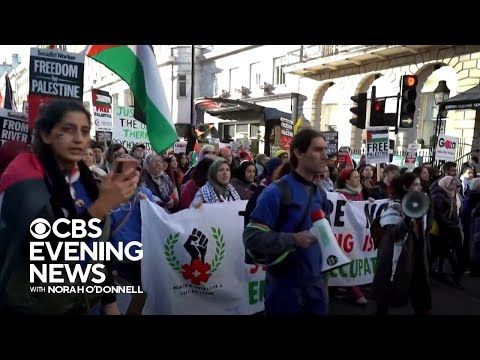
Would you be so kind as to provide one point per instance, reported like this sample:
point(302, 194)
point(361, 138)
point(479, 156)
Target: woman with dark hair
point(243, 179)
point(422, 173)
point(190, 188)
point(182, 161)
point(366, 180)
point(173, 171)
point(53, 183)
point(402, 264)
point(113, 151)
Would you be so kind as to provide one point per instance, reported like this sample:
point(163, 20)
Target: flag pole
point(192, 83)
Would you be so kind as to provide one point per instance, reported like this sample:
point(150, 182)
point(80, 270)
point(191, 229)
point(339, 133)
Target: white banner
point(128, 131)
point(446, 148)
point(351, 227)
point(378, 145)
point(193, 260)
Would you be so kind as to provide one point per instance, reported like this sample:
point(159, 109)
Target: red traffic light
point(410, 80)
point(377, 106)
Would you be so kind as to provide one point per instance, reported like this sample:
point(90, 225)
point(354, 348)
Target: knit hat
point(272, 164)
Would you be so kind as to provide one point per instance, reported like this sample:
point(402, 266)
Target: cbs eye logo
point(40, 229)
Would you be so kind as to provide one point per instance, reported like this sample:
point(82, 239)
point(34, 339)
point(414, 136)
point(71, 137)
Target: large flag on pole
point(9, 98)
point(137, 66)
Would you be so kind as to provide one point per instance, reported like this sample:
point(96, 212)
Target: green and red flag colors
point(137, 66)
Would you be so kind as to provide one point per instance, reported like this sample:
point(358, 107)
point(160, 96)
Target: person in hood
point(53, 183)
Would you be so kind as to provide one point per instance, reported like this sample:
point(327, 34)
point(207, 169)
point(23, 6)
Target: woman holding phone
point(53, 183)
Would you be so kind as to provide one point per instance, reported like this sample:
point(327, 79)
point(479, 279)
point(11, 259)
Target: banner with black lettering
point(351, 226)
point(128, 131)
point(14, 126)
point(53, 74)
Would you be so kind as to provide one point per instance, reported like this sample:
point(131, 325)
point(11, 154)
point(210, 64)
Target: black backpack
point(252, 257)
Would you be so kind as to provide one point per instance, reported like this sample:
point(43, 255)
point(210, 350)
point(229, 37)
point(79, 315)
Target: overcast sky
point(6, 52)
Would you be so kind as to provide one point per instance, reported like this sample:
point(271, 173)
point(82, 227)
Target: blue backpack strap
point(285, 201)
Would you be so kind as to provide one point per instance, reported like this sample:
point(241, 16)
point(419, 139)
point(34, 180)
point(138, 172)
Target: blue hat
point(272, 164)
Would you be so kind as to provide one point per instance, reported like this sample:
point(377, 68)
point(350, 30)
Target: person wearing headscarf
point(243, 179)
point(218, 187)
point(158, 181)
point(9, 151)
point(447, 243)
point(261, 161)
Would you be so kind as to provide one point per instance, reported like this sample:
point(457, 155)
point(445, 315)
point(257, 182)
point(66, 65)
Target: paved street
point(446, 301)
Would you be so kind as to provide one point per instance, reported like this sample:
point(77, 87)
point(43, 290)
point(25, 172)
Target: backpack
point(253, 257)
point(376, 232)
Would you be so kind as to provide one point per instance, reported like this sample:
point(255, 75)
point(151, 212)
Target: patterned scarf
point(210, 196)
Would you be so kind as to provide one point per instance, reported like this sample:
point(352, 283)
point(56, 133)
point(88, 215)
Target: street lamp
point(441, 93)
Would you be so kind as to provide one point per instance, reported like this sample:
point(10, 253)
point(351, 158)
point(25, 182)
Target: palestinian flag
point(377, 136)
point(137, 66)
point(196, 152)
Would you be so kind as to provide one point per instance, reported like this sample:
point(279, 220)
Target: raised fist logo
point(196, 245)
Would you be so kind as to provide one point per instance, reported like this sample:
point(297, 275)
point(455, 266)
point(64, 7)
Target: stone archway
point(317, 103)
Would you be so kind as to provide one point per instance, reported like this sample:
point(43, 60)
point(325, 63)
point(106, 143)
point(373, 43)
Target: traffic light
point(360, 110)
point(377, 113)
point(408, 95)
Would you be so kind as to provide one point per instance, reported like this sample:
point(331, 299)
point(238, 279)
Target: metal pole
point(398, 112)
point(294, 108)
point(192, 83)
point(372, 103)
point(436, 134)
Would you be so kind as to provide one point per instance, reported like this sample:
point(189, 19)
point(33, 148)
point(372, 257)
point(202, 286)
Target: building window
point(255, 75)
point(182, 85)
point(215, 84)
point(234, 80)
point(254, 128)
point(127, 98)
point(229, 131)
point(278, 70)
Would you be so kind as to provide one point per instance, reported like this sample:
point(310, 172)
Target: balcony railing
point(311, 52)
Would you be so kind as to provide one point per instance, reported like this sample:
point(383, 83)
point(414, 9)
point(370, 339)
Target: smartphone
point(122, 165)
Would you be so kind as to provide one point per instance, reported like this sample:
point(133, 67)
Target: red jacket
point(187, 194)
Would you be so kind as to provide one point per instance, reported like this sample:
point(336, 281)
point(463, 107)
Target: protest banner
point(286, 126)
point(102, 110)
point(193, 260)
point(14, 126)
point(446, 148)
point(378, 145)
point(331, 138)
point(54, 74)
point(127, 131)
